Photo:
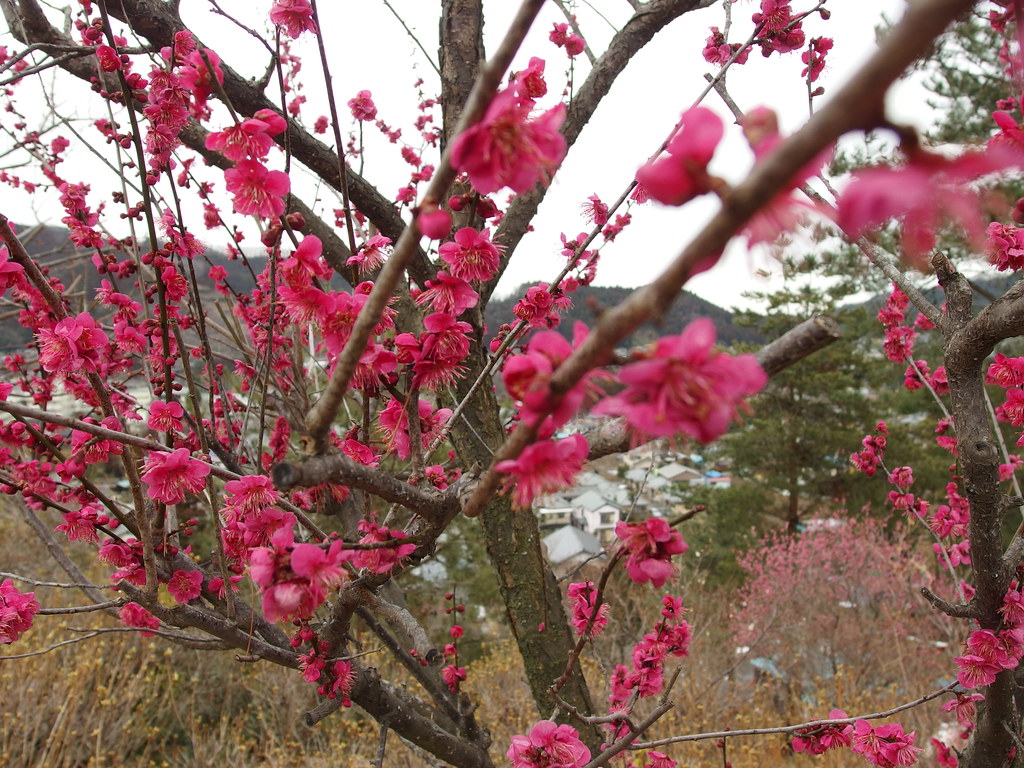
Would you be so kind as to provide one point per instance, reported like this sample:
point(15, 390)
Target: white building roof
point(567, 542)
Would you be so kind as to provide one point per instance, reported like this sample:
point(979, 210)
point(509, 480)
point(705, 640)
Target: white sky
point(646, 101)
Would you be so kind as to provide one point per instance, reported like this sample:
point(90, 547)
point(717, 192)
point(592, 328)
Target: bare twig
point(319, 419)
point(799, 727)
point(49, 648)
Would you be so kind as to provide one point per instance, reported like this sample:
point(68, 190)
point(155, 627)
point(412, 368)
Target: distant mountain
point(589, 302)
point(987, 288)
point(50, 245)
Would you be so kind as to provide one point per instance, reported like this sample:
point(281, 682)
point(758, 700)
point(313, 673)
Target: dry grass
point(120, 700)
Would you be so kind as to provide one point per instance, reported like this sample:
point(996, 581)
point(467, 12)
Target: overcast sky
point(645, 102)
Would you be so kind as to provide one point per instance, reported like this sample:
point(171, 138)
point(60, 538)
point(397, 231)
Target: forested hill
point(50, 245)
point(589, 301)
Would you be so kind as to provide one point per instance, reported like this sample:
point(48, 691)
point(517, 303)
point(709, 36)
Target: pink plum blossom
point(342, 680)
point(527, 378)
point(818, 740)
point(362, 106)
point(433, 222)
point(380, 559)
point(650, 546)
point(195, 75)
point(548, 745)
point(394, 422)
point(12, 274)
point(185, 586)
point(296, 16)
point(108, 59)
point(718, 51)
point(884, 745)
point(17, 610)
point(543, 467)
point(315, 563)
point(963, 706)
point(530, 81)
point(250, 138)
point(452, 676)
point(134, 615)
point(81, 524)
point(164, 416)
point(581, 600)
point(170, 477)
point(509, 147)
point(683, 385)
point(248, 495)
point(1005, 245)
point(371, 254)
point(682, 175)
point(74, 344)
point(257, 190)
point(471, 255)
point(921, 194)
point(295, 578)
point(448, 294)
point(1006, 371)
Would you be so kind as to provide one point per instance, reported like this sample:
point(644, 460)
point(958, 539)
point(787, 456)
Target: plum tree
point(325, 412)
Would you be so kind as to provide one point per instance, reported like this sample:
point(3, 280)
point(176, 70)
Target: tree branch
point(857, 105)
point(650, 18)
point(319, 419)
point(614, 436)
point(339, 468)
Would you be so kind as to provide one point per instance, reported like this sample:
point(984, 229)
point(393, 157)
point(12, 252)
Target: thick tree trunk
point(533, 599)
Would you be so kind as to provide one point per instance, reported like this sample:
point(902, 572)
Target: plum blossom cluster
point(886, 746)
point(295, 578)
point(587, 618)
point(544, 467)
point(682, 384)
point(679, 385)
point(296, 16)
point(250, 516)
point(926, 191)
point(527, 378)
point(899, 338)
point(817, 741)
point(649, 547)
point(814, 57)
point(563, 37)
point(171, 477)
point(548, 745)
point(386, 550)
point(134, 615)
point(901, 498)
point(1008, 372)
point(334, 680)
point(780, 30)
point(452, 674)
point(670, 638)
point(17, 610)
point(256, 190)
point(869, 459)
point(73, 344)
point(510, 146)
point(540, 306)
point(718, 51)
point(988, 652)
